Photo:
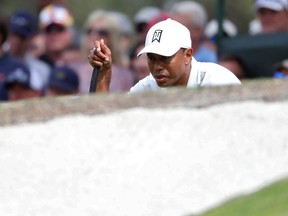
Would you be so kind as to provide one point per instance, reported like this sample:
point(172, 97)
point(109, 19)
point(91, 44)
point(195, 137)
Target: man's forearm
point(103, 81)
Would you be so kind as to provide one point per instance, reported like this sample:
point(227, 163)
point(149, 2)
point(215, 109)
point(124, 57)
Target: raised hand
point(100, 56)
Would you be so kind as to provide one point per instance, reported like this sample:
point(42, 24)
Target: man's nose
point(158, 65)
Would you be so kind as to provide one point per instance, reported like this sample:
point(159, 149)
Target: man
point(56, 22)
point(20, 86)
point(22, 28)
point(169, 50)
point(63, 81)
point(142, 19)
point(281, 69)
point(8, 63)
point(272, 15)
point(194, 16)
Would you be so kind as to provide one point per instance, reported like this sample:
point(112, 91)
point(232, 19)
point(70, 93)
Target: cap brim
point(15, 81)
point(269, 6)
point(20, 33)
point(46, 25)
point(63, 86)
point(159, 50)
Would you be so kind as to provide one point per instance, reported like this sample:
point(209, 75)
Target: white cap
point(276, 5)
point(166, 38)
point(55, 14)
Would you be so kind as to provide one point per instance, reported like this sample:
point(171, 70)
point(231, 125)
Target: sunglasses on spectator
point(100, 32)
point(55, 29)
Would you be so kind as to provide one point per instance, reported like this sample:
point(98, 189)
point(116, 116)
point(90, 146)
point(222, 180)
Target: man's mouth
point(159, 78)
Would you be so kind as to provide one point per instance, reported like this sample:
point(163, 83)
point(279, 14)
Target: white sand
point(143, 162)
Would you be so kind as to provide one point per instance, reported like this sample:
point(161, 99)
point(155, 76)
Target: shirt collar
point(193, 80)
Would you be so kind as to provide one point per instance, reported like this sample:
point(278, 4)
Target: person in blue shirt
point(8, 64)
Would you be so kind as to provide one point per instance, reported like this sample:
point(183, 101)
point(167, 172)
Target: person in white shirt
point(169, 50)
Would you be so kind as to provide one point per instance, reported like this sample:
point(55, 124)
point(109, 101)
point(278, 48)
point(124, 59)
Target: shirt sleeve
point(217, 75)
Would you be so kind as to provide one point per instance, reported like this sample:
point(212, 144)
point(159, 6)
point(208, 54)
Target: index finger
point(99, 50)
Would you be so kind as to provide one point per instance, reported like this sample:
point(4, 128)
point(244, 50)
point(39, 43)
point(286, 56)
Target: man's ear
point(189, 53)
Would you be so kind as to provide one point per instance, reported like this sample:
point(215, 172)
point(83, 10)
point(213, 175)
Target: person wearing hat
point(281, 69)
point(22, 29)
point(9, 65)
point(193, 15)
point(56, 22)
point(5, 63)
point(272, 15)
point(63, 81)
point(20, 85)
point(141, 21)
point(169, 51)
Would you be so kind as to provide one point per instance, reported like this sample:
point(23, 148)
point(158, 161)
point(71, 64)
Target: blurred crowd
point(44, 54)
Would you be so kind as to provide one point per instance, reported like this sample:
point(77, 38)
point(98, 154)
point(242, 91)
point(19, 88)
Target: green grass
point(269, 201)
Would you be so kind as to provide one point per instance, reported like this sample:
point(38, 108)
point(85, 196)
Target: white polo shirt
point(202, 74)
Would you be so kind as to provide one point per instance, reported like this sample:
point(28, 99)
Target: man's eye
point(165, 58)
point(159, 58)
point(151, 58)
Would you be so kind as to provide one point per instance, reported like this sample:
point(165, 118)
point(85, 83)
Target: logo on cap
point(157, 35)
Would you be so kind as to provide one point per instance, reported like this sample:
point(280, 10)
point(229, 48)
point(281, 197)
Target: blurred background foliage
point(240, 12)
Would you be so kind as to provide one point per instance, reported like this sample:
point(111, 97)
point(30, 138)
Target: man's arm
point(100, 57)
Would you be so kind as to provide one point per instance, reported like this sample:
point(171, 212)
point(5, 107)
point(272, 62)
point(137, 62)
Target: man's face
point(173, 70)
point(17, 44)
point(97, 31)
point(58, 38)
point(273, 21)
point(19, 92)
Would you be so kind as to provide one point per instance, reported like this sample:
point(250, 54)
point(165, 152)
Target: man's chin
point(163, 85)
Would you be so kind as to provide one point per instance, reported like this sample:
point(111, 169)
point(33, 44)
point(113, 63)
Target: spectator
point(43, 3)
point(235, 64)
point(194, 17)
point(127, 34)
point(273, 15)
point(163, 15)
point(73, 56)
point(8, 63)
point(63, 81)
point(20, 85)
point(141, 20)
point(22, 28)
point(56, 22)
point(281, 69)
point(37, 45)
point(102, 24)
point(169, 52)
point(138, 65)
